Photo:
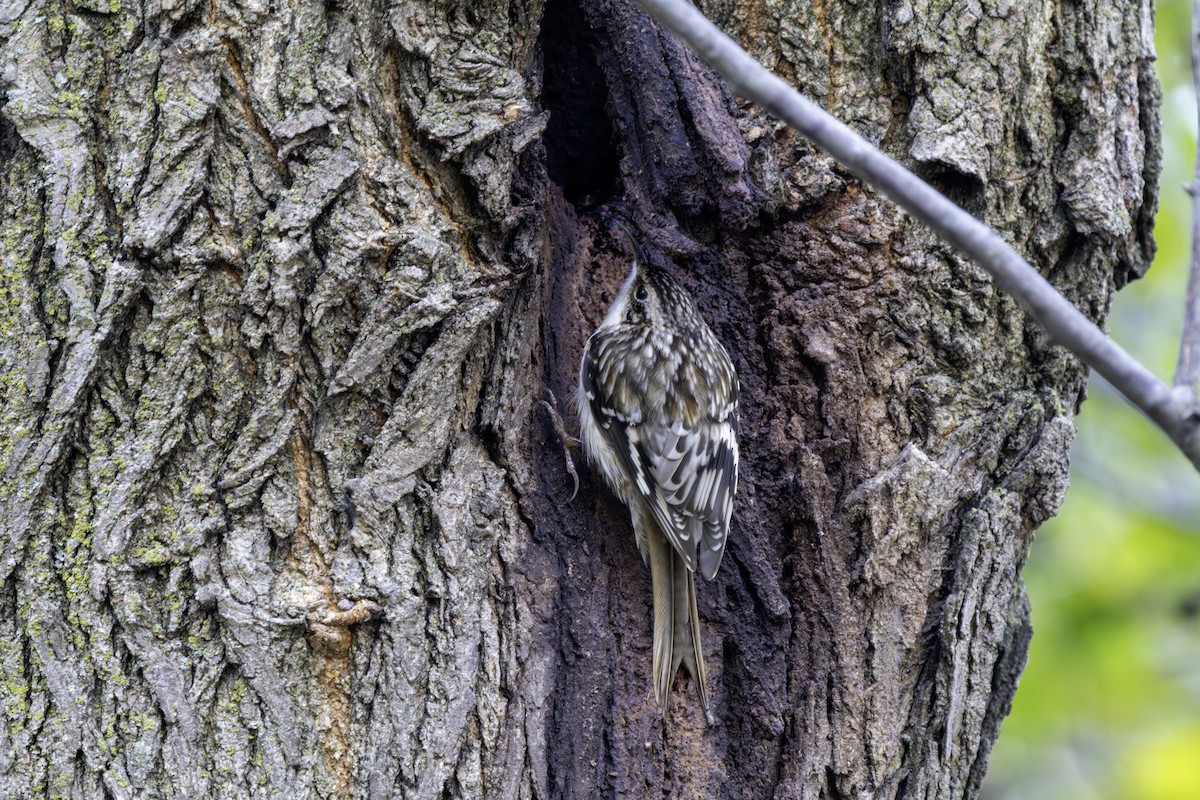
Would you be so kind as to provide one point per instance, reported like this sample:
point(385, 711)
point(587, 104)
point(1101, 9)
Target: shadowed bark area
point(282, 286)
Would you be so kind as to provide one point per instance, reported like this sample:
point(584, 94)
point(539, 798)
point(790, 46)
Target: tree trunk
point(281, 512)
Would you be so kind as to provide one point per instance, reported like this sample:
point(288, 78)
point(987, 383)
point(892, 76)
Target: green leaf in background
point(1109, 706)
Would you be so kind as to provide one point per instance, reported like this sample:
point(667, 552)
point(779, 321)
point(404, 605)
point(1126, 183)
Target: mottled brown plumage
point(657, 406)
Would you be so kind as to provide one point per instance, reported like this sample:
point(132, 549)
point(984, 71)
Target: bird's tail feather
point(676, 622)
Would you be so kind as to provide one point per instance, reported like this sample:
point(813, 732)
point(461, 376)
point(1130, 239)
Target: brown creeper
point(657, 405)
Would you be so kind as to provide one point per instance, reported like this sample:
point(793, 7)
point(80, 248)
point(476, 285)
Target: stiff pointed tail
point(676, 622)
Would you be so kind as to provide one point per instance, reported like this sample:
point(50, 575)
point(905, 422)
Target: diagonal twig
point(1175, 412)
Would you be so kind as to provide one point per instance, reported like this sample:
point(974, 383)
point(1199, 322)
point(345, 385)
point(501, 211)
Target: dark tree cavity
point(581, 153)
point(282, 288)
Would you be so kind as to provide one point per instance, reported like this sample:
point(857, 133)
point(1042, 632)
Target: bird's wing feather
point(695, 477)
point(686, 473)
point(616, 410)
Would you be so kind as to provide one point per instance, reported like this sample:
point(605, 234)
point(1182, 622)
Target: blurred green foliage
point(1109, 705)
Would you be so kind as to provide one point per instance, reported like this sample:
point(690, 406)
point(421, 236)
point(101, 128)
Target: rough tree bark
point(281, 514)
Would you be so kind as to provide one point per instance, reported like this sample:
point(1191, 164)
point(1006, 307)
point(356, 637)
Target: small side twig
point(1176, 412)
point(566, 439)
point(1187, 371)
point(329, 626)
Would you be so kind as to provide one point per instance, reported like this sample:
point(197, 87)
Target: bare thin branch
point(1175, 412)
point(1188, 369)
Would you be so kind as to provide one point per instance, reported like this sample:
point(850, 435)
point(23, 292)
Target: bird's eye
point(641, 295)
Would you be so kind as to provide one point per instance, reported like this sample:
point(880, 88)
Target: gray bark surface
point(281, 514)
